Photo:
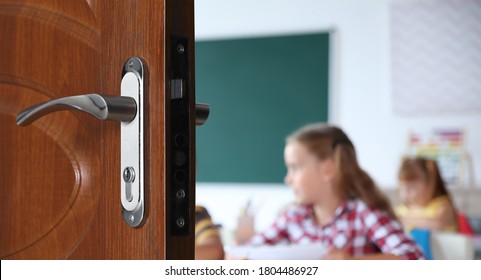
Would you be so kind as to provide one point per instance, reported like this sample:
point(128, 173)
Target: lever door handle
point(202, 111)
point(104, 107)
point(128, 108)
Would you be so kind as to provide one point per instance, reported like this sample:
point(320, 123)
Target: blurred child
point(208, 245)
point(337, 203)
point(426, 201)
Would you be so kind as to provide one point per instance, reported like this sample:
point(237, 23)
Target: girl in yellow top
point(426, 201)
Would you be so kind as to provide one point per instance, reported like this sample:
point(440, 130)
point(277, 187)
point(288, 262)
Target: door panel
point(52, 204)
point(52, 167)
point(61, 195)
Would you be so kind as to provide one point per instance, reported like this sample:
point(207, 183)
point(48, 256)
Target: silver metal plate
point(132, 146)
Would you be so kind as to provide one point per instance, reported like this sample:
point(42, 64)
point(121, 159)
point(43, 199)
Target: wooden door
point(60, 182)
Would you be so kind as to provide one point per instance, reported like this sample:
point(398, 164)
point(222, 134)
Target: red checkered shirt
point(355, 228)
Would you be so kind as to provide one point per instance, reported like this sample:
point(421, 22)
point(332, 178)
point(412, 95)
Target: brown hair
point(326, 141)
point(423, 168)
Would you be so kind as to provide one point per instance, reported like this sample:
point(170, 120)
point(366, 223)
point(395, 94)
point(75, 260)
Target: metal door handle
point(128, 108)
point(104, 107)
point(202, 111)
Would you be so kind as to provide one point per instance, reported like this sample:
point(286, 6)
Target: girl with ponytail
point(426, 200)
point(337, 203)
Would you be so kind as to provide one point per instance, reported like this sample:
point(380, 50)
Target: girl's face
point(415, 192)
point(308, 176)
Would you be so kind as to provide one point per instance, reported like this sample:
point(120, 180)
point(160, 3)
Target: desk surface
point(477, 246)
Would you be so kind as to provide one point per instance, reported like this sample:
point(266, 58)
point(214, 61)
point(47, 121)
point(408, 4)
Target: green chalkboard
point(260, 90)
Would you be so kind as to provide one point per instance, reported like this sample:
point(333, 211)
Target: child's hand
point(337, 254)
point(245, 229)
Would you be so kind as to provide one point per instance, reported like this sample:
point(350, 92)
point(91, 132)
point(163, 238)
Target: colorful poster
point(443, 145)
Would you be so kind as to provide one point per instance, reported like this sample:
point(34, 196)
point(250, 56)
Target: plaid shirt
point(355, 228)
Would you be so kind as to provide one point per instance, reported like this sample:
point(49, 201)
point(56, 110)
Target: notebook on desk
point(278, 252)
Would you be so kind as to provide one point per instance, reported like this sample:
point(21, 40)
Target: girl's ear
point(328, 168)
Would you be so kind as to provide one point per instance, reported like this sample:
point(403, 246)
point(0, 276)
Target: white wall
point(361, 87)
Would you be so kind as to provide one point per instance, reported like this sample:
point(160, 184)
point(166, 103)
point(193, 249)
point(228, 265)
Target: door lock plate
point(132, 146)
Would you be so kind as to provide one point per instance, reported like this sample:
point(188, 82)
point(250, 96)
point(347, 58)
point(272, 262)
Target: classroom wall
point(360, 100)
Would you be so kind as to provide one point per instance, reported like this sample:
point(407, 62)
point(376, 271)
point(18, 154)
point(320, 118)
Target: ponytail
point(436, 182)
point(353, 182)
